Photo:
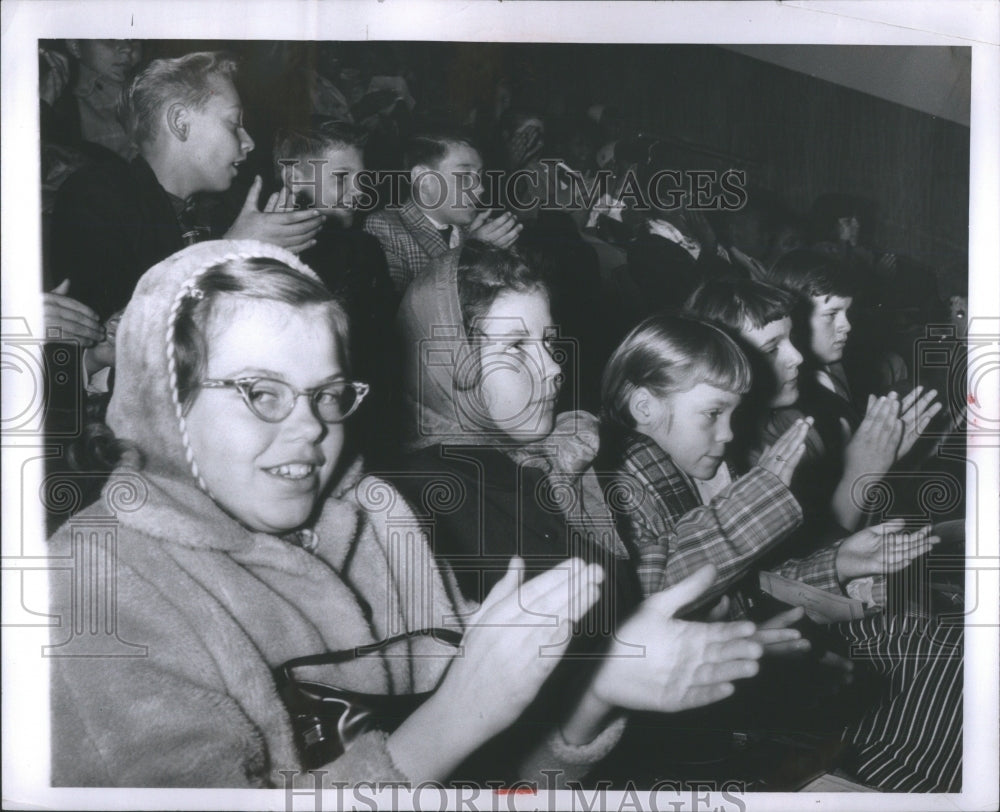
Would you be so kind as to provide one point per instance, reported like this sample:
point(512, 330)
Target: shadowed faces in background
point(447, 191)
point(331, 174)
point(112, 59)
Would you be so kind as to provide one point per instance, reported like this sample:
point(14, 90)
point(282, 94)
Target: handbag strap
point(449, 636)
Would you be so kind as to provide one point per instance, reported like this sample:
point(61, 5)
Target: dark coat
point(666, 274)
point(111, 223)
point(482, 508)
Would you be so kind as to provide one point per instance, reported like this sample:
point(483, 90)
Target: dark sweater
point(483, 508)
point(111, 223)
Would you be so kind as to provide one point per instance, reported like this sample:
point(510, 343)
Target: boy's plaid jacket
point(410, 241)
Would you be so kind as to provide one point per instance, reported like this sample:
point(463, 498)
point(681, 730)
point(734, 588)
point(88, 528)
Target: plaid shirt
point(410, 241)
point(818, 570)
point(815, 478)
point(673, 535)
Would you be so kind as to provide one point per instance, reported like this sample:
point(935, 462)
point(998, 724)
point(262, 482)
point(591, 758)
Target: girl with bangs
point(669, 393)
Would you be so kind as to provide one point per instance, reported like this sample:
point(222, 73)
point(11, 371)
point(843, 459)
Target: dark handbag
point(326, 719)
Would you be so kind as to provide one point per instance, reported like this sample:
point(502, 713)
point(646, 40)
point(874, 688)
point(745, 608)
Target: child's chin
point(706, 469)
point(785, 398)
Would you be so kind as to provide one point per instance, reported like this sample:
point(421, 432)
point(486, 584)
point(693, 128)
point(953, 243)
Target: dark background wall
point(796, 135)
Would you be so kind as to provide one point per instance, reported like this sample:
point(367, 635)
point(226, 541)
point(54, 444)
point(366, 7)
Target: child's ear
point(178, 121)
point(644, 407)
point(416, 172)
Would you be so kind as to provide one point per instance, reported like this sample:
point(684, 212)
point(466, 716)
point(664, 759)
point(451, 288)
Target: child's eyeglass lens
point(272, 400)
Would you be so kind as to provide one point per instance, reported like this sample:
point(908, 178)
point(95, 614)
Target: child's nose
point(549, 364)
point(246, 142)
point(725, 432)
point(794, 358)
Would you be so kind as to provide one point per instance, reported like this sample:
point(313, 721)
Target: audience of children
point(918, 659)
point(735, 438)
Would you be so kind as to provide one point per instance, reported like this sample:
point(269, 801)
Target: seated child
point(103, 67)
point(318, 168)
point(113, 221)
point(669, 393)
point(857, 446)
point(920, 663)
point(760, 316)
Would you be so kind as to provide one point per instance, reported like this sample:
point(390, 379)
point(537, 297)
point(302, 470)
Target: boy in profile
point(114, 221)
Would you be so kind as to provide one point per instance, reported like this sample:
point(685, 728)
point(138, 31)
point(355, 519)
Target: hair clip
point(195, 293)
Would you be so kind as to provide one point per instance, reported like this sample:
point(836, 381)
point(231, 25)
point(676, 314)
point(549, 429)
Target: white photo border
point(972, 24)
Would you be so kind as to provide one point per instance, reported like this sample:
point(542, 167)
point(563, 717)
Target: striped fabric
point(911, 741)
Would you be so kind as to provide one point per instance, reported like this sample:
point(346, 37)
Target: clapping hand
point(279, 223)
point(774, 634)
point(511, 646)
point(103, 354)
point(73, 320)
point(874, 446)
point(782, 458)
point(684, 664)
point(778, 639)
point(882, 549)
point(516, 639)
point(916, 411)
point(501, 231)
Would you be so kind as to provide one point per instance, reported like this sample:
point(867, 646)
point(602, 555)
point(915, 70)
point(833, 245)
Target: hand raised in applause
point(66, 319)
point(873, 448)
point(916, 411)
point(515, 641)
point(774, 634)
point(501, 231)
point(783, 457)
point(279, 223)
point(882, 549)
point(679, 664)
